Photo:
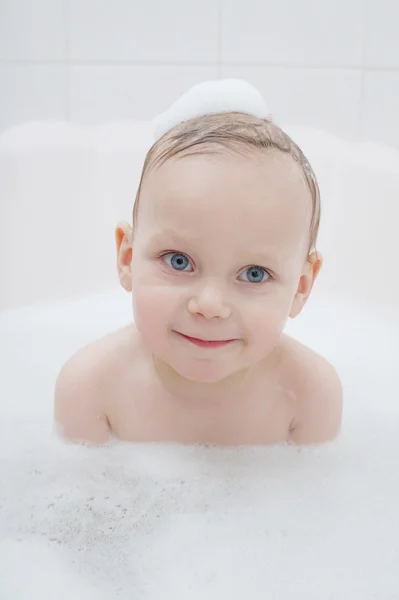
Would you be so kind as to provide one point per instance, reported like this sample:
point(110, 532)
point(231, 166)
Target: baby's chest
point(150, 416)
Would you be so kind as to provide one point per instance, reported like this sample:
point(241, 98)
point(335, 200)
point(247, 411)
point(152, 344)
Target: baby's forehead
point(262, 193)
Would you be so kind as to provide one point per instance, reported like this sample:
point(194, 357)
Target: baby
point(220, 254)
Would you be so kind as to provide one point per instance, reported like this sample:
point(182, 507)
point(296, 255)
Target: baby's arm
point(78, 400)
point(320, 409)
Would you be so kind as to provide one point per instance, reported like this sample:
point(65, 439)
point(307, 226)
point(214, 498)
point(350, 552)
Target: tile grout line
point(67, 63)
point(361, 122)
point(132, 63)
point(219, 46)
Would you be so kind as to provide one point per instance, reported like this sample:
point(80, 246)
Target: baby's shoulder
point(101, 357)
point(86, 382)
point(318, 390)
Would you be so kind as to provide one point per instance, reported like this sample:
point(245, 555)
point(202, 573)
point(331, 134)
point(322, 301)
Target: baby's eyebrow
point(167, 235)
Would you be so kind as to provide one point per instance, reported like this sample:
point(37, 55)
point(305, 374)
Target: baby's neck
point(234, 388)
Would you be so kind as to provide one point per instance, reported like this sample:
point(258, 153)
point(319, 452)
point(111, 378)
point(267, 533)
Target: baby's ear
point(124, 243)
point(311, 269)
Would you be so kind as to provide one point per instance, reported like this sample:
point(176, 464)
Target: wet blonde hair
point(235, 132)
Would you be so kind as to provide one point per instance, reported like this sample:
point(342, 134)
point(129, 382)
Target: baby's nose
point(209, 303)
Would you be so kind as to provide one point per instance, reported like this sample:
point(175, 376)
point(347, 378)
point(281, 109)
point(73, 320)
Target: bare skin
point(216, 264)
point(110, 389)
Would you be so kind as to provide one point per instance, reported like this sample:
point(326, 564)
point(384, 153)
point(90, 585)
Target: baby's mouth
point(206, 343)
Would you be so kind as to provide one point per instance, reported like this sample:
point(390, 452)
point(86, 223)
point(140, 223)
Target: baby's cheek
point(150, 312)
point(143, 304)
point(267, 321)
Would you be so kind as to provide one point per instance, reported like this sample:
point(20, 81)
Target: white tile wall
point(381, 101)
point(31, 93)
point(328, 63)
point(150, 30)
point(99, 92)
point(382, 33)
point(33, 30)
point(325, 98)
point(288, 32)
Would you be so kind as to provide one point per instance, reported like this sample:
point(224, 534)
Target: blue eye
point(255, 274)
point(178, 262)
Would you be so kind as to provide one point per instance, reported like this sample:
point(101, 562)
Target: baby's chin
point(203, 371)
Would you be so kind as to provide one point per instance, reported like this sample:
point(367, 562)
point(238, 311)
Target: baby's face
point(218, 253)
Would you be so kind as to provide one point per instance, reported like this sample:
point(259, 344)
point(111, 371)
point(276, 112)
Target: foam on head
point(212, 97)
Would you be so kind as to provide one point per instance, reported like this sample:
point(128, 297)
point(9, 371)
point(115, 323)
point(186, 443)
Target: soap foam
point(212, 97)
point(168, 521)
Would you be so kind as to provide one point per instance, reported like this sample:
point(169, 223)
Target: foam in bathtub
point(211, 97)
point(150, 522)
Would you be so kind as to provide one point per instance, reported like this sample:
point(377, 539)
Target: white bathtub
point(129, 521)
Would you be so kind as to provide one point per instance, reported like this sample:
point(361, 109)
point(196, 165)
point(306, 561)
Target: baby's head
point(222, 246)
